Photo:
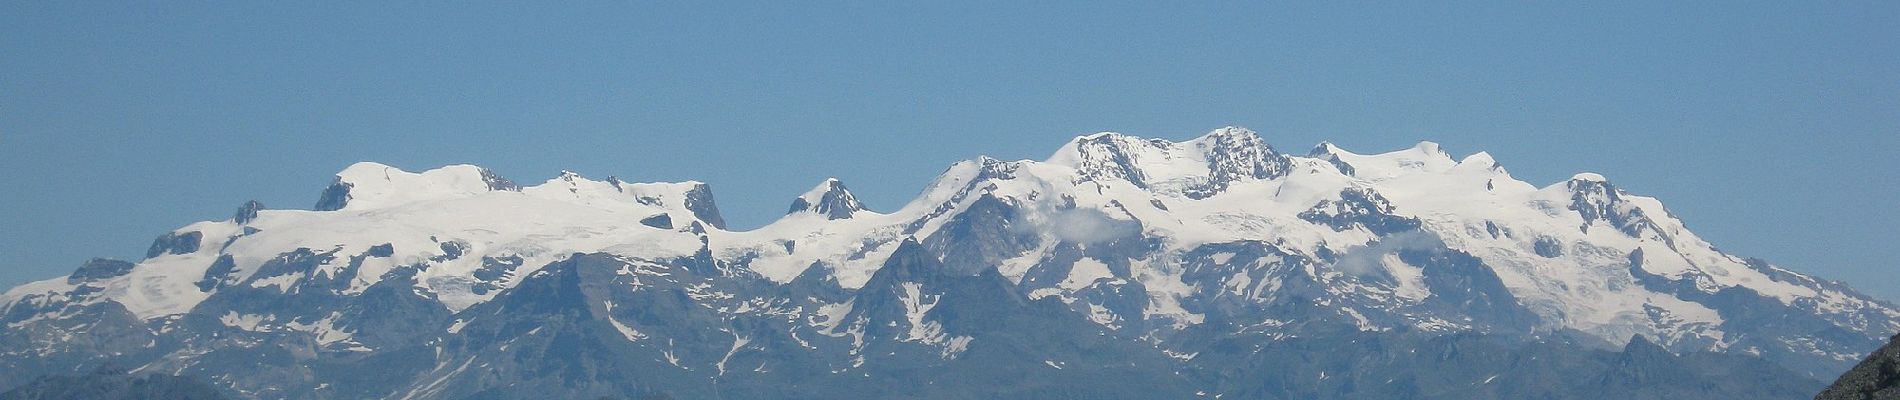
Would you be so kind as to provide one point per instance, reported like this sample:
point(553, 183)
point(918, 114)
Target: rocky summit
point(1118, 267)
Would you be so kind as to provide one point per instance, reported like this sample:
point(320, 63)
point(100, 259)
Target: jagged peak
point(1195, 168)
point(1233, 141)
point(1224, 138)
point(1230, 135)
point(830, 199)
point(827, 186)
point(1099, 144)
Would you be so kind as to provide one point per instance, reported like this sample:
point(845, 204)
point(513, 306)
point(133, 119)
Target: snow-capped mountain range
point(1116, 257)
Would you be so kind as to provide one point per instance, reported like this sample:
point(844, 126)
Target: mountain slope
point(1876, 378)
point(1117, 259)
point(113, 384)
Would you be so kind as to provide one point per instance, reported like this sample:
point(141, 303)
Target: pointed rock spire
point(699, 200)
point(830, 199)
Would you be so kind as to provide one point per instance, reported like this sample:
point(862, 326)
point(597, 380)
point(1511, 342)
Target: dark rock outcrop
point(661, 220)
point(98, 268)
point(835, 202)
point(175, 243)
point(334, 197)
point(247, 212)
point(699, 200)
point(1876, 378)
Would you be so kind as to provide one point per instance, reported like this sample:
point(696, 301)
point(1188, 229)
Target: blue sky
point(1771, 129)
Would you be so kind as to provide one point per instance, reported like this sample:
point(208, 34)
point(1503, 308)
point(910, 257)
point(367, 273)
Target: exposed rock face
point(175, 243)
point(1597, 199)
point(830, 199)
point(247, 212)
point(1876, 378)
point(1196, 169)
point(99, 269)
point(334, 197)
point(1361, 208)
point(498, 183)
point(699, 200)
point(661, 221)
point(1235, 155)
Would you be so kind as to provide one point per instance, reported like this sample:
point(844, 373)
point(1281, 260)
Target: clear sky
point(1771, 129)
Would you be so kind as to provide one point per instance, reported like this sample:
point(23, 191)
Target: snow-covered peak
point(830, 199)
point(1482, 164)
point(693, 196)
point(1232, 135)
point(1112, 155)
point(369, 185)
point(1196, 168)
point(693, 200)
point(1589, 177)
point(1323, 149)
point(1423, 158)
point(1589, 187)
point(1479, 160)
point(1236, 154)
